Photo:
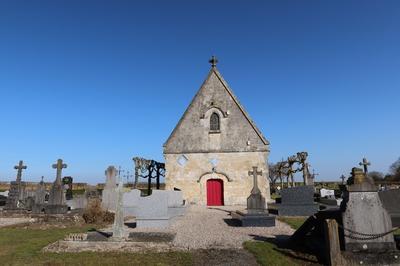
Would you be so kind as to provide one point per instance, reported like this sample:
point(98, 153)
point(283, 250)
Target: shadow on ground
point(284, 246)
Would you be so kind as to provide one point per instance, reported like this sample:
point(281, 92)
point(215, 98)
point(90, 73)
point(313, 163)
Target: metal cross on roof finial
point(213, 61)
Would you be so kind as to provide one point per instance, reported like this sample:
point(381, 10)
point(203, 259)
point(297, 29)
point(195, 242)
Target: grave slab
point(297, 201)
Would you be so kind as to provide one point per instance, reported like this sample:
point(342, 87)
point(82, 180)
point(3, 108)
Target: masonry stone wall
point(232, 168)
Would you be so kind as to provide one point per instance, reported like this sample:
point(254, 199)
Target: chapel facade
point(213, 147)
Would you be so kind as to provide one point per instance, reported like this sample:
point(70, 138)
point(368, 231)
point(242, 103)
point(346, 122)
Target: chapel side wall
point(234, 166)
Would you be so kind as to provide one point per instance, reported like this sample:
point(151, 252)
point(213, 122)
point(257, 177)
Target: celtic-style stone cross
point(255, 173)
point(20, 167)
point(59, 166)
point(365, 163)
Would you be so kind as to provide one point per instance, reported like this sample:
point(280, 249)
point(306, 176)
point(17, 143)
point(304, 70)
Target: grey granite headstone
point(153, 210)
point(366, 223)
point(176, 204)
point(131, 202)
point(298, 201)
point(391, 202)
point(108, 198)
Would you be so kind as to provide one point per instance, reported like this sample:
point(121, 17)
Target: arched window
point(214, 122)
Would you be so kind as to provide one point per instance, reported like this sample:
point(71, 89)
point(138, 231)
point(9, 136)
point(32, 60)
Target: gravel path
point(13, 221)
point(205, 228)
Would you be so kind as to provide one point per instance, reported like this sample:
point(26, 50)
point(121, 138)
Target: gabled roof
point(215, 71)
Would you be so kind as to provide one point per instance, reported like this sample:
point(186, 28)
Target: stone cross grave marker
point(255, 201)
point(57, 196)
point(255, 173)
point(20, 167)
point(365, 164)
point(256, 213)
point(59, 166)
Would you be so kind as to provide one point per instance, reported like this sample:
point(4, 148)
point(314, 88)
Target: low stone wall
point(106, 246)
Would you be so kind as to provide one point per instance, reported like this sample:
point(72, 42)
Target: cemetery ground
point(22, 244)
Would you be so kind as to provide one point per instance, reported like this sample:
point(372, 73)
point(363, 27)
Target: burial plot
point(297, 201)
point(256, 213)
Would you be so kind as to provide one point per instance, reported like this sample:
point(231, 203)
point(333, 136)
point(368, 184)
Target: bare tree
point(273, 174)
point(377, 176)
point(395, 170)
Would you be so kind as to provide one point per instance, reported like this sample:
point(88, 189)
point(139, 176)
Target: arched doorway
point(215, 192)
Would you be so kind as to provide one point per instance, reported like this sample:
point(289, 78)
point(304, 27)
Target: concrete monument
point(108, 199)
point(366, 223)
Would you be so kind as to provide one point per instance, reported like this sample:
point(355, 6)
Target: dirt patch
point(223, 257)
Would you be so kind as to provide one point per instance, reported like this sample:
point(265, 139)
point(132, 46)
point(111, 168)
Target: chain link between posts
point(363, 236)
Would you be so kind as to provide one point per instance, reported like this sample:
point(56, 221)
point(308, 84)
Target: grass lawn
point(267, 253)
point(19, 246)
point(294, 222)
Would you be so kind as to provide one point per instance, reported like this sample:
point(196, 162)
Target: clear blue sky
point(98, 82)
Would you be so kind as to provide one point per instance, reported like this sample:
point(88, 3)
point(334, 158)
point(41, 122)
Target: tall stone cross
point(365, 164)
point(20, 167)
point(255, 173)
point(59, 166)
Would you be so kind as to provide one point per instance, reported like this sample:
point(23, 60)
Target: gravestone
point(391, 202)
point(176, 204)
point(57, 202)
point(16, 195)
point(327, 197)
point(108, 199)
point(67, 183)
point(118, 226)
point(298, 201)
point(155, 210)
point(152, 210)
point(327, 193)
point(366, 223)
point(40, 193)
point(256, 213)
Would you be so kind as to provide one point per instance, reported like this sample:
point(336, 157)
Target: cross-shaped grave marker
point(20, 167)
point(59, 166)
point(255, 173)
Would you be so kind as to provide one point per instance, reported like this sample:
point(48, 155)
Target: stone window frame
point(215, 123)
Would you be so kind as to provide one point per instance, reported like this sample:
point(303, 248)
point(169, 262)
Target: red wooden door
point(215, 192)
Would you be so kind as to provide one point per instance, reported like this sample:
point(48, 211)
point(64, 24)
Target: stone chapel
point(214, 146)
